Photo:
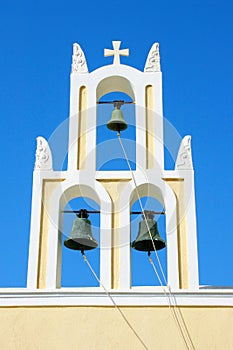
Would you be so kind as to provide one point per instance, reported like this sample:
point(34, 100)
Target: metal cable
point(173, 308)
point(143, 211)
point(169, 296)
point(113, 301)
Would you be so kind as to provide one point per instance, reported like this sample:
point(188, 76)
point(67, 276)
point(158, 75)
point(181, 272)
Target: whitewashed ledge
point(10, 297)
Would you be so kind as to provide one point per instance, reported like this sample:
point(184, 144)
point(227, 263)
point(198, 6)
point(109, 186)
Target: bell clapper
point(149, 257)
point(83, 255)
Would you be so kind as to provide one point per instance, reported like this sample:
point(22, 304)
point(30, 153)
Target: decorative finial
point(116, 52)
point(43, 155)
point(79, 64)
point(153, 59)
point(184, 157)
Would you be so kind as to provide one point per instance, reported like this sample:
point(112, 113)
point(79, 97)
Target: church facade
point(178, 313)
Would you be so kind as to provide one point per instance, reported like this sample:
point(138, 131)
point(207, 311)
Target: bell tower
point(115, 191)
point(118, 312)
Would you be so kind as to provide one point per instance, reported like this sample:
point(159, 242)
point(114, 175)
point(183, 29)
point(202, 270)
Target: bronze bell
point(117, 122)
point(143, 241)
point(81, 237)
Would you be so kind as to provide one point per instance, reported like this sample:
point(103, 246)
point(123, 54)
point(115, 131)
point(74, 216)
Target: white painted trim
point(98, 297)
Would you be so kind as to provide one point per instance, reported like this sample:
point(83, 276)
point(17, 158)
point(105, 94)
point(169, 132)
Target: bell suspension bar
point(112, 102)
point(98, 212)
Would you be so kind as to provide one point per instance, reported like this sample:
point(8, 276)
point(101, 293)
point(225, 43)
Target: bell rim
point(78, 244)
point(114, 126)
point(147, 246)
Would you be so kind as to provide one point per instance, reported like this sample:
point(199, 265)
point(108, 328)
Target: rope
point(142, 209)
point(169, 296)
point(174, 307)
point(113, 301)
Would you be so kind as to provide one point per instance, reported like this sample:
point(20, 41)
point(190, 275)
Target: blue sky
point(196, 56)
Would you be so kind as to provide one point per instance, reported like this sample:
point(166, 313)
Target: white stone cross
point(116, 52)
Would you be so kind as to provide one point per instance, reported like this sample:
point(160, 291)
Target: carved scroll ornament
point(153, 59)
point(79, 64)
point(43, 155)
point(184, 157)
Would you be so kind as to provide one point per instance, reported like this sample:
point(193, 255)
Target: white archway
point(159, 190)
point(66, 191)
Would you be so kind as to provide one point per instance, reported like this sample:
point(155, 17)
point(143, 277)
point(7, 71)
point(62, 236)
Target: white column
point(105, 241)
point(190, 206)
point(34, 231)
point(125, 247)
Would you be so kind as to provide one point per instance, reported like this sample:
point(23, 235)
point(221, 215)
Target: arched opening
point(114, 84)
point(109, 155)
point(74, 271)
point(142, 273)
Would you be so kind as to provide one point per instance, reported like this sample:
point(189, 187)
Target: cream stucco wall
point(177, 186)
point(48, 188)
point(114, 189)
point(150, 135)
point(82, 116)
point(99, 328)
